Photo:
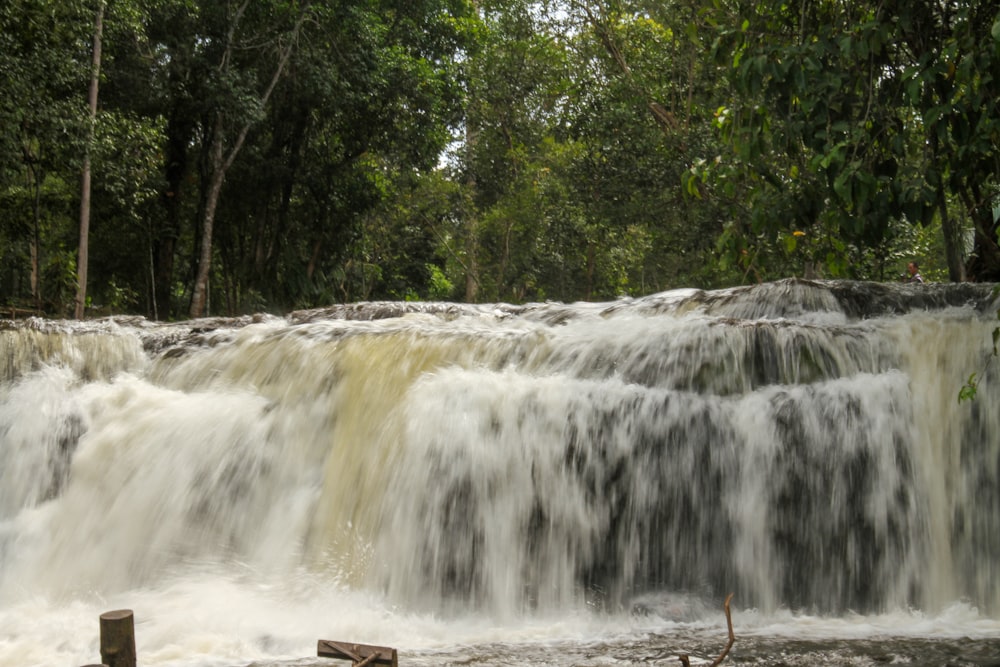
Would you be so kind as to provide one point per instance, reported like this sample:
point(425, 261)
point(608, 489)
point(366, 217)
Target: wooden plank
point(358, 653)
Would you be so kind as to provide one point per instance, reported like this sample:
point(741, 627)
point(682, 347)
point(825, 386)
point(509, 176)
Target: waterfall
point(797, 443)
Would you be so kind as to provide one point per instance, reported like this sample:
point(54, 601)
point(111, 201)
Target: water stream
point(550, 484)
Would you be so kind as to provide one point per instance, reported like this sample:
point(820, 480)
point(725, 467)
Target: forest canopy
point(184, 158)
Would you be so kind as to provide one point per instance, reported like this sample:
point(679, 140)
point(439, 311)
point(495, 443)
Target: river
point(547, 484)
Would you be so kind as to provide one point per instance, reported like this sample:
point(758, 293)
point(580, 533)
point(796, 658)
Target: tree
point(222, 153)
point(368, 90)
point(81, 262)
point(42, 133)
point(364, 110)
point(853, 117)
point(646, 108)
point(281, 154)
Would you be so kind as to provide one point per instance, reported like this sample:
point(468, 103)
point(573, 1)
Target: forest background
point(185, 158)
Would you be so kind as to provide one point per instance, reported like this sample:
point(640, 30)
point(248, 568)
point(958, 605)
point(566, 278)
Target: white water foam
point(576, 484)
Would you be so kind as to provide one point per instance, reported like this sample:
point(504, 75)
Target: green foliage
point(572, 176)
point(495, 150)
point(439, 287)
point(971, 387)
point(852, 116)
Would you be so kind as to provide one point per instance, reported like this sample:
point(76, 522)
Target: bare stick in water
point(732, 636)
point(686, 661)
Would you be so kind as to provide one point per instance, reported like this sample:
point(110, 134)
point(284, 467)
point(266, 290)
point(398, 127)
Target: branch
point(732, 637)
point(662, 117)
point(447, 245)
point(686, 661)
point(231, 36)
point(279, 71)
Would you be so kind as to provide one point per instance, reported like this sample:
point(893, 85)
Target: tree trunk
point(180, 131)
point(471, 262)
point(984, 263)
point(83, 252)
point(36, 237)
point(82, 256)
point(218, 171)
point(952, 240)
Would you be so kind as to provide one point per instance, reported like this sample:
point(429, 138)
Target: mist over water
point(562, 484)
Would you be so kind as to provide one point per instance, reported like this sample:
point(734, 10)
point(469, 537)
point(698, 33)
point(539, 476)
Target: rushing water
point(548, 484)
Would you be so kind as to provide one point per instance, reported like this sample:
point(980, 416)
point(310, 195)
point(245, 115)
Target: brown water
point(548, 484)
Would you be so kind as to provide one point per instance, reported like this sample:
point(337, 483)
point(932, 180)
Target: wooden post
point(118, 638)
point(360, 655)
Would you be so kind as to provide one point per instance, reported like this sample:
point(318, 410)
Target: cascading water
point(435, 475)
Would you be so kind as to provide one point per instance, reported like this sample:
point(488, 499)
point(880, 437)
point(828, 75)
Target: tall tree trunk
point(35, 185)
point(180, 130)
point(471, 248)
point(83, 253)
point(472, 267)
point(218, 171)
point(952, 234)
point(36, 293)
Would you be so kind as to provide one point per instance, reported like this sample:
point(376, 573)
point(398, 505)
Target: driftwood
point(361, 655)
point(683, 657)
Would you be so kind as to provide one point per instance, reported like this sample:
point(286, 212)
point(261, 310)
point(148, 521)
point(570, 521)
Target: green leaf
point(691, 184)
point(835, 157)
point(967, 392)
point(842, 186)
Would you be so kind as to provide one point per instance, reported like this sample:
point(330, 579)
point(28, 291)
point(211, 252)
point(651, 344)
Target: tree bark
point(84, 249)
point(471, 260)
point(35, 184)
point(200, 295)
point(952, 234)
point(180, 131)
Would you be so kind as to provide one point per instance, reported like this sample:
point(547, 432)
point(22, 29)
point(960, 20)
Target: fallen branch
point(685, 660)
point(732, 636)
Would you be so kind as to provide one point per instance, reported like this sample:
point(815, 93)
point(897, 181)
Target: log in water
point(436, 475)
